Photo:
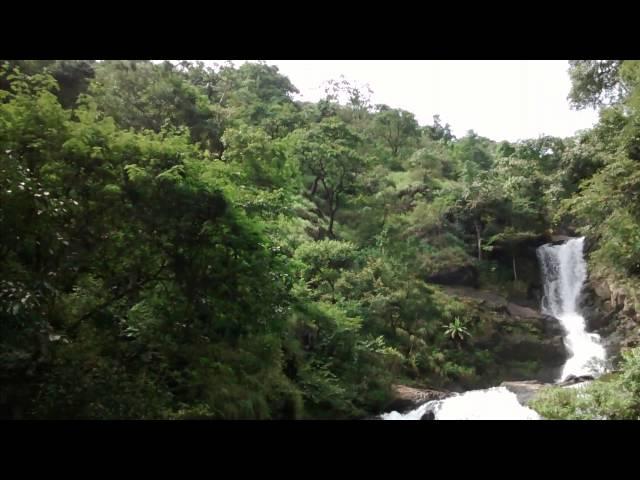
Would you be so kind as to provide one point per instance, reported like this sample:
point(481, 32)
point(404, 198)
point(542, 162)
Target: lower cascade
point(564, 272)
point(496, 403)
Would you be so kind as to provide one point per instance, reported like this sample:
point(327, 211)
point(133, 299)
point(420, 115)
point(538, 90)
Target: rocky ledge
point(527, 390)
point(408, 398)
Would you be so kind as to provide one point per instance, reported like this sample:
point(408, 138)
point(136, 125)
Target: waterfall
point(564, 272)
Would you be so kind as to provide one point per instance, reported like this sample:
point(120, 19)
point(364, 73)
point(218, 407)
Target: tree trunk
point(333, 208)
point(315, 186)
point(394, 150)
point(333, 292)
point(333, 214)
point(515, 274)
point(478, 239)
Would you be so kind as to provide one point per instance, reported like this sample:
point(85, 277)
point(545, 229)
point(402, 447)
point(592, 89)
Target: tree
point(510, 239)
point(132, 278)
point(323, 263)
point(479, 204)
point(472, 154)
point(595, 82)
point(328, 152)
point(439, 132)
point(73, 76)
point(396, 127)
point(142, 95)
point(178, 241)
point(604, 206)
point(259, 95)
point(357, 98)
point(262, 159)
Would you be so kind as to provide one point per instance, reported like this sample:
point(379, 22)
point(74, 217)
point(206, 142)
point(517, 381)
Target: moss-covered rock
point(520, 342)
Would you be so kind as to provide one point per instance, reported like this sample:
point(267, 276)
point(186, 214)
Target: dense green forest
point(179, 242)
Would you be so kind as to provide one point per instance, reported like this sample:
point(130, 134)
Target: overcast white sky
point(502, 100)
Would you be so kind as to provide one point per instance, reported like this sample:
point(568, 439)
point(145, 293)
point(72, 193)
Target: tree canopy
point(180, 241)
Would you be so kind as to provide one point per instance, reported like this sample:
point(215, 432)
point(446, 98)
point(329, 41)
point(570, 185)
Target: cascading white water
point(564, 273)
point(415, 414)
point(496, 403)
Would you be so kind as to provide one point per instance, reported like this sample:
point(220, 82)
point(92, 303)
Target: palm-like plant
point(456, 329)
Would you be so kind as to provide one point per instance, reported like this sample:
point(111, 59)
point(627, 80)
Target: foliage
point(179, 241)
point(613, 398)
point(456, 329)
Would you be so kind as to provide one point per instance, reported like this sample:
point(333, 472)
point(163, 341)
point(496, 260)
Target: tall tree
point(595, 82)
point(328, 151)
point(396, 127)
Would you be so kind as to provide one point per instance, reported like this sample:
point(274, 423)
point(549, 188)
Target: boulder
point(429, 415)
point(521, 311)
point(524, 390)
point(573, 379)
point(548, 351)
point(601, 289)
point(466, 275)
point(484, 297)
point(408, 398)
point(552, 327)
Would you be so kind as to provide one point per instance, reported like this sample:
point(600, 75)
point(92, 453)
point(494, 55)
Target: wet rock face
point(516, 310)
point(596, 306)
point(601, 289)
point(612, 344)
point(611, 311)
